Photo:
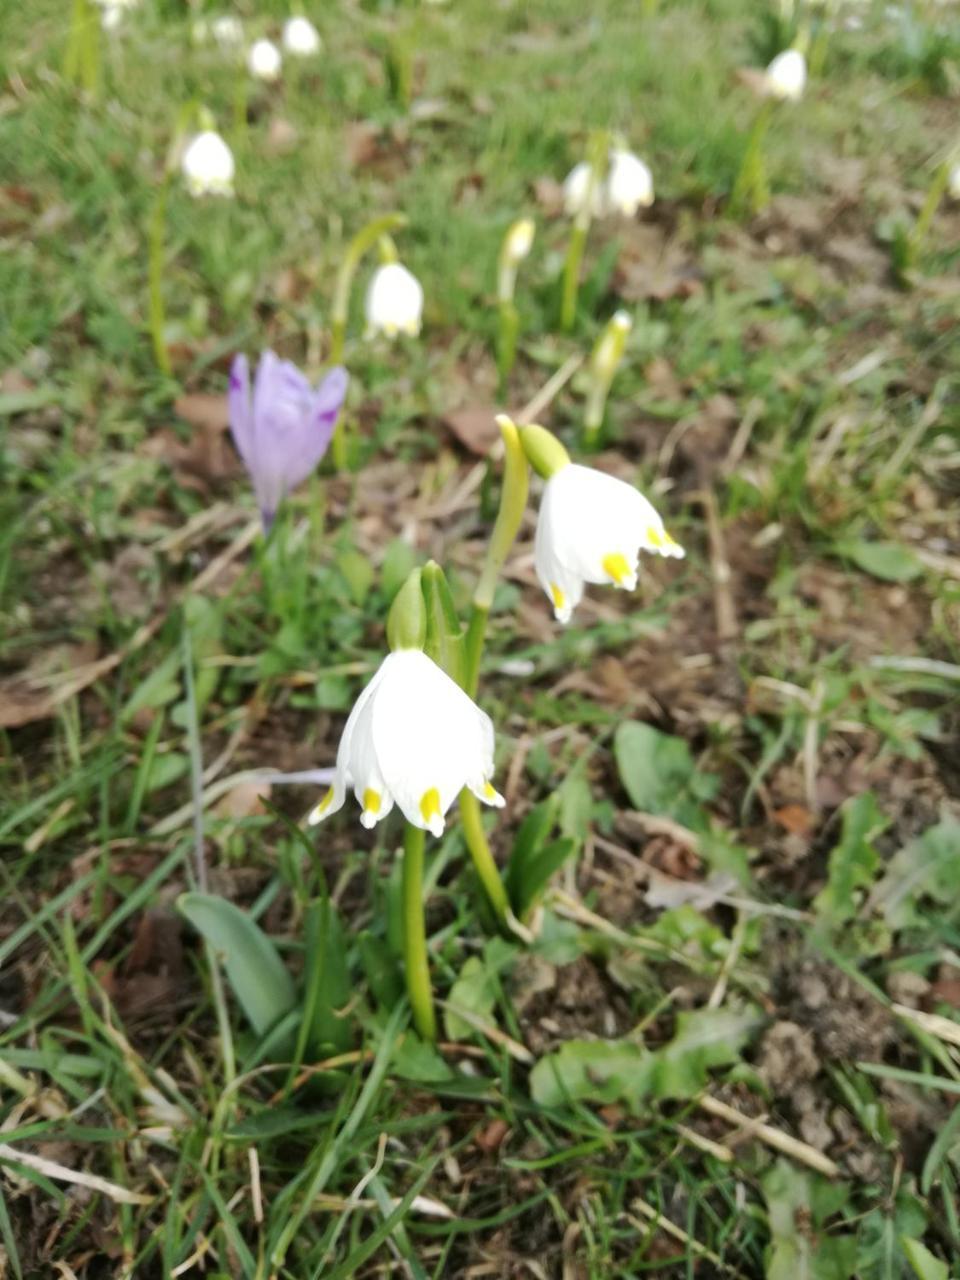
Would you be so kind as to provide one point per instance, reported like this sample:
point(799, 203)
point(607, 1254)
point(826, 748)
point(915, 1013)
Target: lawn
point(717, 1032)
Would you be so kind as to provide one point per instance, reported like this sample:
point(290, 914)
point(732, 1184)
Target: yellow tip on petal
point(489, 791)
point(371, 801)
point(619, 571)
point(656, 538)
point(320, 810)
point(430, 811)
point(559, 599)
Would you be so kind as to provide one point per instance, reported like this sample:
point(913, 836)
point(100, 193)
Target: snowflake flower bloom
point(301, 37)
point(519, 240)
point(282, 430)
point(394, 302)
point(629, 184)
point(576, 190)
point(953, 182)
point(265, 60)
point(592, 528)
point(786, 77)
point(626, 187)
point(207, 165)
point(414, 739)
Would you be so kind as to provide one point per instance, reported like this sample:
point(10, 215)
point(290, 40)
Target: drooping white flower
point(265, 60)
point(301, 37)
point(576, 192)
point(626, 186)
point(953, 182)
point(207, 165)
point(629, 184)
point(786, 77)
point(113, 11)
point(415, 740)
point(592, 528)
point(394, 302)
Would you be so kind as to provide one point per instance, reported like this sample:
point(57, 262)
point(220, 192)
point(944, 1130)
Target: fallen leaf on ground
point(474, 426)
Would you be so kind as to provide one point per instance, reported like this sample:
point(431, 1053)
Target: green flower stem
point(158, 221)
point(507, 341)
point(571, 271)
point(483, 860)
point(363, 241)
point(597, 159)
point(473, 647)
point(375, 232)
point(751, 192)
point(81, 64)
point(415, 935)
point(241, 94)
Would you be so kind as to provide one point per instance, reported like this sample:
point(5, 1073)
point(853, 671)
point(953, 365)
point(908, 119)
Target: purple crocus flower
point(283, 430)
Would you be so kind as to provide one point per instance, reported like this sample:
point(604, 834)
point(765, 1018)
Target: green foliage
point(606, 1071)
point(535, 858)
point(327, 986)
point(925, 870)
point(853, 863)
point(799, 1205)
point(251, 962)
point(476, 989)
point(888, 561)
point(659, 774)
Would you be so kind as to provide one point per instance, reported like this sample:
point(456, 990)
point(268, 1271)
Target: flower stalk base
point(415, 935)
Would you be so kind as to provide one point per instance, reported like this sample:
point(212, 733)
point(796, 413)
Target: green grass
point(756, 882)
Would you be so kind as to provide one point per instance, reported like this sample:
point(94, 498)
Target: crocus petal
point(240, 410)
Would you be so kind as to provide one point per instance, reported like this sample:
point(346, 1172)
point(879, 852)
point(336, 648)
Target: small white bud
point(953, 182)
point(519, 240)
point(575, 190)
point(786, 77)
point(629, 185)
point(265, 60)
point(301, 37)
point(207, 165)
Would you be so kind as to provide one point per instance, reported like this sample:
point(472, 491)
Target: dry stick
point(60, 1173)
point(776, 1138)
point(727, 627)
point(933, 1023)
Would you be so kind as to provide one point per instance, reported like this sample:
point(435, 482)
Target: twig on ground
point(671, 1229)
point(776, 1138)
point(727, 626)
point(60, 1173)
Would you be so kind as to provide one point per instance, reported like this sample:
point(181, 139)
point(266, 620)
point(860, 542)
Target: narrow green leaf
point(854, 863)
point(925, 1265)
point(252, 963)
point(888, 561)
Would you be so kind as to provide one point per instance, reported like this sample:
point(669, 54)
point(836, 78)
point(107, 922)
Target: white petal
point(429, 737)
point(394, 302)
point(629, 183)
point(786, 76)
point(344, 776)
point(575, 188)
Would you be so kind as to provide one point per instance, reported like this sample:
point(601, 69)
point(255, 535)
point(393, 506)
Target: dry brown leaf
point(795, 818)
point(244, 800)
point(282, 137)
point(30, 695)
point(204, 410)
point(474, 426)
point(361, 143)
point(548, 194)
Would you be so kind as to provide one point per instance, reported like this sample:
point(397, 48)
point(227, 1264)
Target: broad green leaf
point(623, 1070)
point(659, 773)
point(598, 1070)
point(532, 877)
point(925, 1265)
point(252, 963)
point(534, 831)
point(853, 864)
point(327, 981)
point(414, 1059)
point(357, 571)
point(166, 769)
point(888, 561)
point(475, 990)
point(381, 970)
point(159, 689)
point(398, 562)
point(926, 868)
point(798, 1204)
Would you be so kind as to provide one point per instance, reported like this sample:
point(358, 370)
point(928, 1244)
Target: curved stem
point(571, 273)
point(750, 192)
point(415, 935)
point(473, 648)
point(507, 341)
point(365, 239)
point(482, 856)
point(938, 186)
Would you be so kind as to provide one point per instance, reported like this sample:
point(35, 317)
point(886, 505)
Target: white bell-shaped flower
point(207, 165)
point(394, 302)
point(592, 528)
point(415, 740)
point(264, 60)
point(629, 184)
point(576, 193)
point(227, 30)
point(301, 37)
point(786, 77)
point(953, 182)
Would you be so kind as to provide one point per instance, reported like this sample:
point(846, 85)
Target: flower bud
point(544, 451)
point(519, 241)
point(953, 182)
point(407, 619)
